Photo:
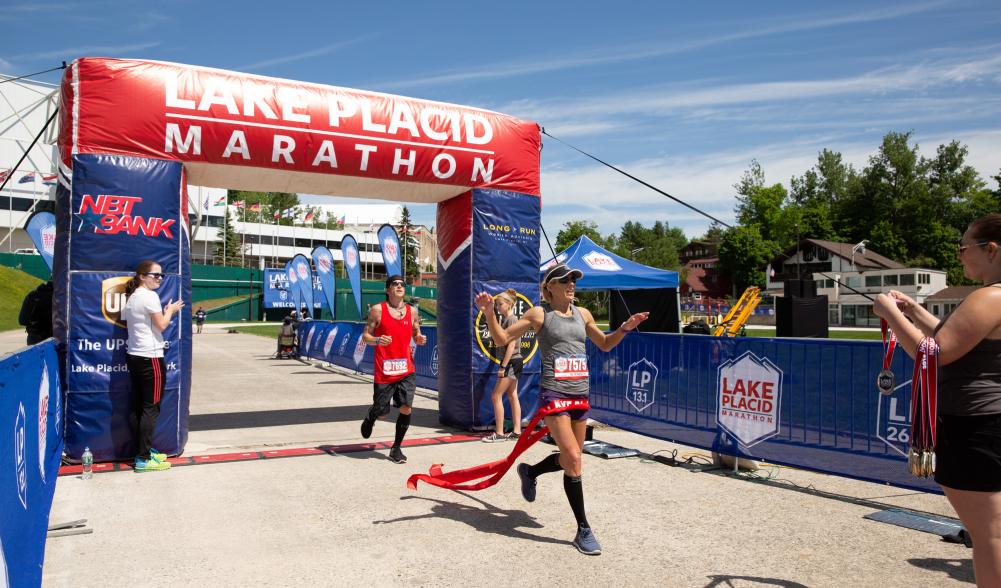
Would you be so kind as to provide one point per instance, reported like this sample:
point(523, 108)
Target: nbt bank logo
point(111, 215)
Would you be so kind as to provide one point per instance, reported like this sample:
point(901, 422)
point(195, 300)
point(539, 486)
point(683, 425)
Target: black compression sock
point(575, 494)
point(402, 424)
point(550, 464)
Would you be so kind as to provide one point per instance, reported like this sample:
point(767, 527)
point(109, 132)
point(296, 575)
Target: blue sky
point(681, 95)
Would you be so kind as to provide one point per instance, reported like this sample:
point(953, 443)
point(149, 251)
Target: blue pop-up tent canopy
point(604, 270)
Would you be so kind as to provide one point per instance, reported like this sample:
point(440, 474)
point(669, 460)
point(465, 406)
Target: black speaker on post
point(801, 317)
point(801, 288)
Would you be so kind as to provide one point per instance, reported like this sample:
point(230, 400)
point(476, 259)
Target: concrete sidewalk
point(348, 518)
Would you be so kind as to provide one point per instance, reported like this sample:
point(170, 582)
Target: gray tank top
point(971, 385)
point(564, 357)
point(506, 323)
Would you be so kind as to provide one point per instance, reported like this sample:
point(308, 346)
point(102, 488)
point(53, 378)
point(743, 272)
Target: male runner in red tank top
point(389, 327)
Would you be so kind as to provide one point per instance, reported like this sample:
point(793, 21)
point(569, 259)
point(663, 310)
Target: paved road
point(348, 519)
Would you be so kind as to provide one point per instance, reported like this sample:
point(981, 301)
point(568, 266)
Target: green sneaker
point(157, 455)
point(150, 465)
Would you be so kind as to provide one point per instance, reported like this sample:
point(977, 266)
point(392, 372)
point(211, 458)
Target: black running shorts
point(401, 392)
point(968, 452)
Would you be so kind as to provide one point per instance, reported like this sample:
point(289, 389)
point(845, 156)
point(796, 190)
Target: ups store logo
point(113, 299)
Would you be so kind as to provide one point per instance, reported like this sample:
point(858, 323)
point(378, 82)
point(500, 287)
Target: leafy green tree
point(657, 246)
point(743, 254)
point(573, 230)
point(227, 250)
point(409, 245)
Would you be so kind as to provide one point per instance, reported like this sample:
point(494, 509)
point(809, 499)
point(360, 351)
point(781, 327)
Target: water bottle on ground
point(88, 463)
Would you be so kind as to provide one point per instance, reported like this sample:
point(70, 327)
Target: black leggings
point(149, 376)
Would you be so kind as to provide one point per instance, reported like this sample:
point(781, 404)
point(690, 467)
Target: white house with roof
point(862, 274)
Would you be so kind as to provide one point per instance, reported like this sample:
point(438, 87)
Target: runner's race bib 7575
point(394, 367)
point(570, 367)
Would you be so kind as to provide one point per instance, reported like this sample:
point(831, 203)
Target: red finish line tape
point(70, 470)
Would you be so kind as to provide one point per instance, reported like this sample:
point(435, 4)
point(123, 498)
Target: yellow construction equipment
point(739, 313)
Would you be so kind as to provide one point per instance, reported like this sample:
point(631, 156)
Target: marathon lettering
point(116, 216)
point(750, 395)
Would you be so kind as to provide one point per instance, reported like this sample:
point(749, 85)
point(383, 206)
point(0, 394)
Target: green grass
point(873, 335)
point(217, 302)
point(270, 331)
point(14, 285)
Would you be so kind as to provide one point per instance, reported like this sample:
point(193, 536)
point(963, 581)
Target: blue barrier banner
point(30, 451)
point(809, 404)
point(391, 252)
point(352, 267)
point(812, 404)
point(306, 282)
point(119, 212)
point(42, 230)
point(323, 261)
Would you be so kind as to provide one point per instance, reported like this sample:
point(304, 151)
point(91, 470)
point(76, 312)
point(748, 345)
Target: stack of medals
point(886, 381)
point(924, 409)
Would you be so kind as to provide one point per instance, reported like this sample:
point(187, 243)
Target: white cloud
point(318, 52)
point(638, 51)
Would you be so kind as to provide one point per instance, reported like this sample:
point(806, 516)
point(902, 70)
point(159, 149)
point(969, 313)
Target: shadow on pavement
point(724, 580)
point(958, 569)
point(488, 519)
point(422, 417)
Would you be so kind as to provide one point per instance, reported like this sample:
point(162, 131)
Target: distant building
point(945, 301)
point(862, 271)
point(700, 259)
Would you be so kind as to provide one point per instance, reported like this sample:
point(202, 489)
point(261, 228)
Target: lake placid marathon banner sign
point(277, 294)
point(42, 230)
point(120, 211)
point(323, 261)
point(31, 446)
point(362, 143)
point(392, 255)
point(352, 267)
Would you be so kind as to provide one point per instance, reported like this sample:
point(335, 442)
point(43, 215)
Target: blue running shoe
point(527, 482)
point(585, 542)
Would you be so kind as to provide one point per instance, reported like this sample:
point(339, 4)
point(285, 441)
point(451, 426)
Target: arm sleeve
point(152, 303)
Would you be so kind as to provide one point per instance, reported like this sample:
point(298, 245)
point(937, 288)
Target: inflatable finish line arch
point(133, 133)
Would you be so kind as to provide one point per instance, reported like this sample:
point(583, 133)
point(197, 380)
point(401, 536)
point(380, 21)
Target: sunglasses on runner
point(567, 280)
point(154, 275)
point(396, 283)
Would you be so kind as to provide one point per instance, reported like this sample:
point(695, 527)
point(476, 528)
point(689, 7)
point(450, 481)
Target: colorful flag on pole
point(49, 180)
point(256, 207)
point(220, 202)
point(277, 214)
point(309, 217)
point(30, 177)
point(238, 203)
point(4, 174)
point(290, 213)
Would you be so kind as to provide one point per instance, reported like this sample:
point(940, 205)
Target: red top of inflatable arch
point(242, 131)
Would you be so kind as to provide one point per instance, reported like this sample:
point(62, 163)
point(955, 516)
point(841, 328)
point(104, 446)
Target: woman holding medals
point(968, 441)
point(562, 329)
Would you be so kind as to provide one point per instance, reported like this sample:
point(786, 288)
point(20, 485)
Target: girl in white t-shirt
point(147, 319)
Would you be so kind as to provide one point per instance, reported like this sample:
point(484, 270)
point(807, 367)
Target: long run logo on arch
point(529, 344)
point(749, 398)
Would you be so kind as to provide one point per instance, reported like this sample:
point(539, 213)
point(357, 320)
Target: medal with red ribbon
point(489, 474)
point(924, 409)
point(886, 381)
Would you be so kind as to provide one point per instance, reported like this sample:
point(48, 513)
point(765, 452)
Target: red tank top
point(394, 362)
